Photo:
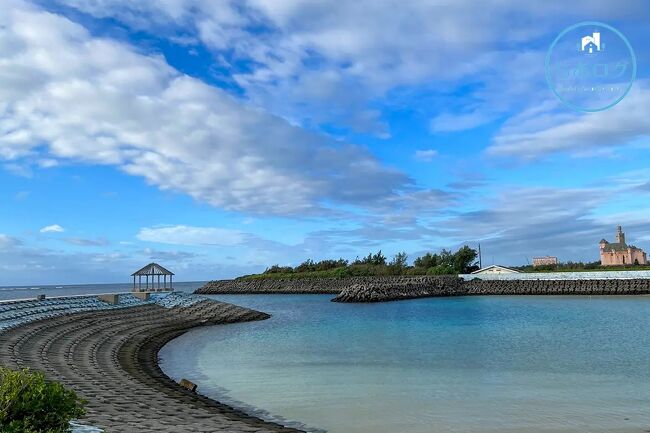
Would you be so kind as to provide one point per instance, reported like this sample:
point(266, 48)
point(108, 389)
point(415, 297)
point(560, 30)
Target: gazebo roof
point(152, 269)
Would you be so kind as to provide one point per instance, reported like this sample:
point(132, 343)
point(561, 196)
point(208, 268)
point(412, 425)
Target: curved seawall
point(109, 356)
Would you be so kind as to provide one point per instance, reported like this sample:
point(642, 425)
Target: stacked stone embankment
point(451, 287)
point(378, 289)
point(408, 288)
point(309, 285)
point(558, 287)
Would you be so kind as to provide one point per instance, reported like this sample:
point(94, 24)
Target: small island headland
point(376, 279)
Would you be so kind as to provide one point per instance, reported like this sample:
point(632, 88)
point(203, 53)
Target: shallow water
point(471, 364)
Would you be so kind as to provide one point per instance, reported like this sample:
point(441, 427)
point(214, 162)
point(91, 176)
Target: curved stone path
point(110, 359)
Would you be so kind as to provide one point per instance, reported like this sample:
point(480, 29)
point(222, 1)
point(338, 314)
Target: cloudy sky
point(219, 137)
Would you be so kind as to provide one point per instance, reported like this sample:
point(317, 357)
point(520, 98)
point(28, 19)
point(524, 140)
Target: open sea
point(28, 292)
point(438, 365)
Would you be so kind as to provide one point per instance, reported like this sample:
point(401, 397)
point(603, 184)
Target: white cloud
point(548, 128)
point(20, 170)
point(188, 235)
point(7, 241)
point(83, 242)
point(99, 101)
point(310, 54)
point(54, 228)
point(426, 155)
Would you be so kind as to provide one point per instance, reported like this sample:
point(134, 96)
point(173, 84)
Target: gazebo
point(152, 270)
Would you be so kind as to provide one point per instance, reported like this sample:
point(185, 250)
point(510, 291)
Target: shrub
point(306, 266)
point(441, 270)
point(31, 404)
point(277, 269)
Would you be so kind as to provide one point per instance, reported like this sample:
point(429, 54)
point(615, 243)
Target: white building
point(496, 269)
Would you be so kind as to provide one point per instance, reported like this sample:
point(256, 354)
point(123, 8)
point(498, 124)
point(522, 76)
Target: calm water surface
point(473, 364)
point(30, 292)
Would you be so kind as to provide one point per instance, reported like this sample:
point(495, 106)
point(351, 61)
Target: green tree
point(306, 266)
point(365, 261)
point(398, 264)
point(379, 259)
point(446, 259)
point(31, 404)
point(465, 260)
point(426, 261)
point(325, 265)
point(399, 260)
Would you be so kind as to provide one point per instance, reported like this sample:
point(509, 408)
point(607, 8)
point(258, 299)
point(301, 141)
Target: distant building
point(496, 269)
point(543, 261)
point(620, 253)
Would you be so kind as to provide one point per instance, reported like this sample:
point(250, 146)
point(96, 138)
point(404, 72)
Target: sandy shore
point(110, 359)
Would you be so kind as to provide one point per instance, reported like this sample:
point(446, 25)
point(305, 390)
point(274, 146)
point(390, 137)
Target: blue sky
point(220, 137)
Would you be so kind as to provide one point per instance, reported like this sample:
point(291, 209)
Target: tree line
point(443, 263)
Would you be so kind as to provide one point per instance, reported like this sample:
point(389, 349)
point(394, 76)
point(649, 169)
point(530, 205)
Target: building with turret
point(545, 261)
point(620, 253)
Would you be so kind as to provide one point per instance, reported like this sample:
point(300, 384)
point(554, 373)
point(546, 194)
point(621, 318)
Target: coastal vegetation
point(31, 404)
point(377, 264)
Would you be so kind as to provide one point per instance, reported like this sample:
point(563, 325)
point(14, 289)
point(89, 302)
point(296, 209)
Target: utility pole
point(480, 261)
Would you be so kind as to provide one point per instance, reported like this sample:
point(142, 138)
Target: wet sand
point(110, 358)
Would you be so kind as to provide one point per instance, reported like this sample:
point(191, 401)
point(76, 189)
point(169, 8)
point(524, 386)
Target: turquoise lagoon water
point(471, 364)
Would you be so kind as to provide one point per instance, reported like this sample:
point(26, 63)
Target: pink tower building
point(620, 253)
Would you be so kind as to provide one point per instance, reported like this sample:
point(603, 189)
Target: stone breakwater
point(332, 286)
point(457, 287)
point(406, 288)
point(378, 289)
point(109, 356)
point(558, 287)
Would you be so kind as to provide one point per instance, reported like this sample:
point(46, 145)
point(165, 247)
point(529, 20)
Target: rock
point(184, 383)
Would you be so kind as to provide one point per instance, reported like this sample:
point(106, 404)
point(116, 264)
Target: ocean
point(28, 292)
point(439, 365)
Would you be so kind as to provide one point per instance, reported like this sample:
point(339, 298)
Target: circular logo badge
point(590, 66)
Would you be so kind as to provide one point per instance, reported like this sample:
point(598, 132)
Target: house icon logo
point(585, 74)
point(591, 43)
